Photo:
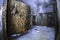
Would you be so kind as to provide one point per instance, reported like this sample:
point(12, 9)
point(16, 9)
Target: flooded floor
point(38, 33)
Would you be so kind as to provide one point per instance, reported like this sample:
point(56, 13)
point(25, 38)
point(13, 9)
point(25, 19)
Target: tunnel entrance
point(44, 12)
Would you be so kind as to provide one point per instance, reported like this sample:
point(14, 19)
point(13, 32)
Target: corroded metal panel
point(18, 18)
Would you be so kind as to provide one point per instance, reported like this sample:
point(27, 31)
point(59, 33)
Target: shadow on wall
point(1, 35)
point(58, 7)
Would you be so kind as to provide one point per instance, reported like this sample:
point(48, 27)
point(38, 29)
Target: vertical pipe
point(8, 16)
point(57, 26)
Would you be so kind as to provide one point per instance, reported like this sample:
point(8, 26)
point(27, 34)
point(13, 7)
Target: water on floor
point(38, 33)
